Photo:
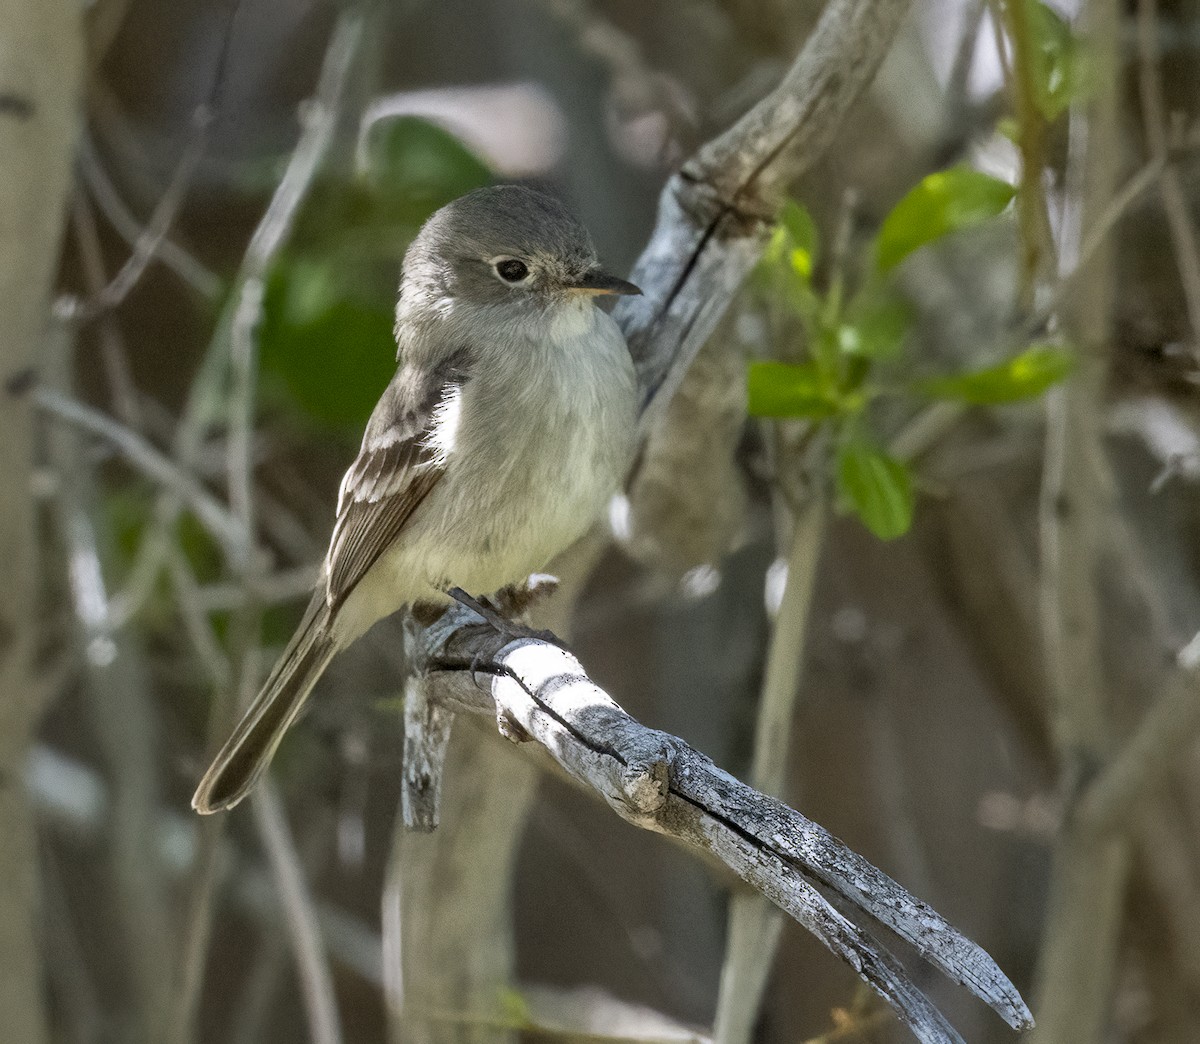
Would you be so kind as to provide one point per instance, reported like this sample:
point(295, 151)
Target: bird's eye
point(512, 270)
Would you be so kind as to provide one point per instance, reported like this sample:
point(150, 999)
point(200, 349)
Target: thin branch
point(1167, 731)
point(1097, 236)
point(538, 691)
point(316, 981)
point(152, 237)
point(286, 585)
point(1033, 215)
point(1078, 960)
point(201, 279)
point(753, 924)
point(151, 462)
point(122, 391)
point(320, 120)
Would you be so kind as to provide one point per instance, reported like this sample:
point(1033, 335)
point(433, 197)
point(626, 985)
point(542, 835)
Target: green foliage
point(854, 338)
point(941, 203)
point(410, 158)
point(514, 1009)
point(1024, 376)
point(790, 390)
point(326, 338)
point(797, 234)
point(331, 350)
point(877, 487)
point(876, 324)
point(1058, 61)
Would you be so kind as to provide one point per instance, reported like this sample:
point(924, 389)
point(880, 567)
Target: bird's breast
point(540, 441)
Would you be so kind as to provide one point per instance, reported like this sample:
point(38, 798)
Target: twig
point(320, 118)
point(754, 924)
point(1033, 216)
point(1175, 203)
point(315, 979)
point(119, 709)
point(195, 620)
point(112, 350)
point(205, 282)
point(1148, 756)
point(72, 798)
point(1097, 236)
point(286, 585)
point(1081, 940)
point(150, 462)
point(926, 429)
point(657, 782)
point(151, 239)
point(236, 332)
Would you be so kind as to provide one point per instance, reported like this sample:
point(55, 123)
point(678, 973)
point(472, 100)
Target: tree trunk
point(40, 71)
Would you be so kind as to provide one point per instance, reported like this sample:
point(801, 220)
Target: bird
point(508, 425)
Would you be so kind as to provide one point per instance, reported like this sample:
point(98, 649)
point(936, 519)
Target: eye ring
point(512, 270)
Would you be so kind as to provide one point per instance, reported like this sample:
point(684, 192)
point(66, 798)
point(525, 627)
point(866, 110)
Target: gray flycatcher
point(508, 425)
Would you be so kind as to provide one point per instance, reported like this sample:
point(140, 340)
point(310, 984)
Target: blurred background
point(928, 722)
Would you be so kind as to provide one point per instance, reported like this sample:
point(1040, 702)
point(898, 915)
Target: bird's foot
point(483, 608)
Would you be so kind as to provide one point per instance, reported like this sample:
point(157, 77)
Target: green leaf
point(1058, 60)
point(877, 487)
point(785, 271)
point(1024, 376)
point(410, 157)
point(875, 326)
point(514, 1008)
point(801, 231)
point(778, 389)
point(940, 204)
point(327, 337)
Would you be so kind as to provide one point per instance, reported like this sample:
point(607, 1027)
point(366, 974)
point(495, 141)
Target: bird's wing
point(402, 458)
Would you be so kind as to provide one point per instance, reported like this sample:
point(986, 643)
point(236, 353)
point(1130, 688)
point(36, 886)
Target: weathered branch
point(538, 691)
point(715, 214)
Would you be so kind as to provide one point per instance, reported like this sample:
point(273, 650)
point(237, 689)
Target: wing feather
point(401, 460)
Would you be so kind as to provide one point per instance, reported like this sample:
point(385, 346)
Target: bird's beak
point(598, 282)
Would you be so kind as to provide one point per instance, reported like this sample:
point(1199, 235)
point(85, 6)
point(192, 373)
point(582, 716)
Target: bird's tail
point(249, 750)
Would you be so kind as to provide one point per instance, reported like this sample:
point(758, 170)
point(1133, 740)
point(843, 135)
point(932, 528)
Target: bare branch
point(316, 980)
point(150, 462)
point(1148, 756)
point(753, 924)
point(320, 118)
point(1078, 962)
point(205, 282)
point(426, 736)
point(657, 782)
point(152, 237)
